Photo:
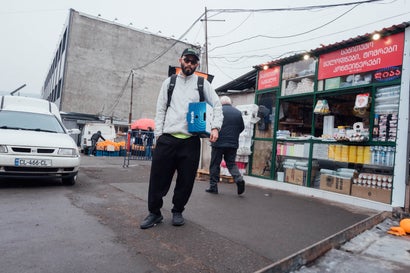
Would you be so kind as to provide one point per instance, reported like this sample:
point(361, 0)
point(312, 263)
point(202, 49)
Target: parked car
point(34, 142)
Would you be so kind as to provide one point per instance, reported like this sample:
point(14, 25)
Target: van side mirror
point(74, 131)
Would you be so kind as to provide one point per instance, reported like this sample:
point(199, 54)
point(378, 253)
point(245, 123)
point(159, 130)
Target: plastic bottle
point(376, 155)
point(383, 156)
point(388, 156)
point(393, 152)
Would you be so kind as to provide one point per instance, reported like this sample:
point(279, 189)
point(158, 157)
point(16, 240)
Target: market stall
point(334, 119)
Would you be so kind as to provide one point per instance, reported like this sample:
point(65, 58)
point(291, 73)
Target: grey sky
point(30, 30)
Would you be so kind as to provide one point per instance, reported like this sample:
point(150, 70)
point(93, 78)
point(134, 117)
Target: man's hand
point(214, 135)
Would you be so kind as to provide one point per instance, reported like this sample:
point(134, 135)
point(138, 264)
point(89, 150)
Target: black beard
point(187, 70)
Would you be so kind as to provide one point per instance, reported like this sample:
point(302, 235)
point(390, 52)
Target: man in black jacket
point(94, 139)
point(226, 146)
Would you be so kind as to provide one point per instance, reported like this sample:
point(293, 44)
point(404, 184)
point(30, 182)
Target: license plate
point(32, 162)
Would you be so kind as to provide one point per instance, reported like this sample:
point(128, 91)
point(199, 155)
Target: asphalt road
point(94, 225)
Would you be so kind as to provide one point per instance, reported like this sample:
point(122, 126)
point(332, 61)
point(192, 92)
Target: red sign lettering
point(268, 78)
point(369, 56)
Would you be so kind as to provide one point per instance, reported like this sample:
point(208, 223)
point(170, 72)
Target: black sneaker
point(241, 187)
point(177, 219)
point(213, 190)
point(151, 220)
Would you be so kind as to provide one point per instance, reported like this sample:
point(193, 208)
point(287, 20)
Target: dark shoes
point(177, 219)
point(154, 219)
point(241, 187)
point(151, 220)
point(212, 189)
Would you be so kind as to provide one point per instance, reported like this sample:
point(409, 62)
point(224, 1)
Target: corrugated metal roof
point(246, 82)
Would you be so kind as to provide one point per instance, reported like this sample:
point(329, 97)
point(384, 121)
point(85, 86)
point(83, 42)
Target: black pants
point(229, 155)
point(93, 145)
point(173, 154)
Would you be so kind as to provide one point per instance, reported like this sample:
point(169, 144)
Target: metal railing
point(140, 146)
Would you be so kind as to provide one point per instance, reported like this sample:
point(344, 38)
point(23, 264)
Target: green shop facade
point(336, 118)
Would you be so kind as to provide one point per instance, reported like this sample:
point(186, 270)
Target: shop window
point(298, 77)
point(343, 115)
point(295, 117)
point(262, 158)
point(266, 114)
point(348, 81)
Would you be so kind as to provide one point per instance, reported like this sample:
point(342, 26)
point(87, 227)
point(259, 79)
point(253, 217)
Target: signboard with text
point(268, 78)
point(369, 56)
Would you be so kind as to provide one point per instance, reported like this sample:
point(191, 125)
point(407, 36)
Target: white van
point(34, 142)
point(107, 132)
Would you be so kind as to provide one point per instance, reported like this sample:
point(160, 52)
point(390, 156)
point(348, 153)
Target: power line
point(305, 40)
point(294, 8)
point(286, 36)
point(220, 11)
point(117, 99)
point(171, 46)
point(150, 62)
point(229, 32)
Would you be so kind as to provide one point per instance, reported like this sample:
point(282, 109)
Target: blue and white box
point(199, 118)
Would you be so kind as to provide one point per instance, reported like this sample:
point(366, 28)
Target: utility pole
point(206, 40)
point(132, 92)
point(206, 37)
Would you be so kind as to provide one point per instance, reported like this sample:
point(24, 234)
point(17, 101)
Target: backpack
point(171, 87)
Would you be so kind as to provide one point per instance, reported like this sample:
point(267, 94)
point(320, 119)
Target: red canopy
point(143, 124)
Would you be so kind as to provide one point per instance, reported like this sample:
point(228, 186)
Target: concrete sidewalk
point(286, 230)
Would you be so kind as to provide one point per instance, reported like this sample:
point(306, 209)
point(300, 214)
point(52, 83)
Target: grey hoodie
point(173, 120)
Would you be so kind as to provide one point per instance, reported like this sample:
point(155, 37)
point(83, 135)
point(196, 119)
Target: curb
point(311, 253)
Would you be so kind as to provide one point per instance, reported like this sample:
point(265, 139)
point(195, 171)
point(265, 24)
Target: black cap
point(191, 51)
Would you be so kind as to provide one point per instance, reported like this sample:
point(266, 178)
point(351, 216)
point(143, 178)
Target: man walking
point(176, 149)
point(226, 146)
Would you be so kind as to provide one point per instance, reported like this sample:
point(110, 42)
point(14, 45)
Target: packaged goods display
point(373, 186)
point(343, 128)
point(386, 113)
point(298, 77)
point(342, 121)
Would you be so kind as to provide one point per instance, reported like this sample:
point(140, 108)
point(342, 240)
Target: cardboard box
point(298, 177)
point(110, 148)
point(199, 118)
point(375, 194)
point(289, 175)
point(335, 183)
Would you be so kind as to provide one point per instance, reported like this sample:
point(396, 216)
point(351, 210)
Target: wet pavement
point(270, 230)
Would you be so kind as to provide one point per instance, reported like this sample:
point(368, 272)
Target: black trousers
point(92, 148)
point(173, 154)
point(229, 155)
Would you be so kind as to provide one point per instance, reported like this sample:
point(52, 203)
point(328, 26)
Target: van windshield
point(30, 121)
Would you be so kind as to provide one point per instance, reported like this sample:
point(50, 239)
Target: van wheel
point(69, 181)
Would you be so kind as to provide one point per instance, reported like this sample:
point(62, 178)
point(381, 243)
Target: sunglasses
point(192, 61)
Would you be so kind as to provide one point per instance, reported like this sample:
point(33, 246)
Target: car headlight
point(3, 149)
point(68, 152)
